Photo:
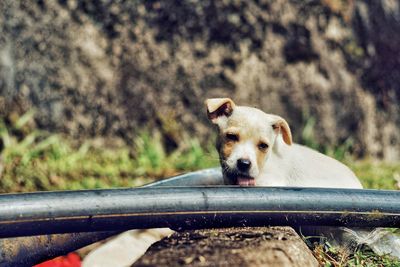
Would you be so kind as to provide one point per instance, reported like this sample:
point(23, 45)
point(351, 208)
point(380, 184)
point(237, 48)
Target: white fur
point(297, 165)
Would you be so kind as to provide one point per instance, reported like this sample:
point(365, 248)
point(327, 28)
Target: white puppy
point(256, 148)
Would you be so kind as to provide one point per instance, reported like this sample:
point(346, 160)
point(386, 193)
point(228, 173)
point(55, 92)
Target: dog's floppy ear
point(217, 107)
point(281, 126)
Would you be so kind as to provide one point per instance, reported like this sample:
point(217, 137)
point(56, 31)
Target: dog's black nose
point(243, 164)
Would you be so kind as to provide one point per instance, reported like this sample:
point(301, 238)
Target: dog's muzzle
point(238, 178)
point(238, 175)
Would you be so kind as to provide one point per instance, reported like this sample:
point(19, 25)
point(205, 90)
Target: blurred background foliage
point(36, 160)
point(110, 69)
point(33, 160)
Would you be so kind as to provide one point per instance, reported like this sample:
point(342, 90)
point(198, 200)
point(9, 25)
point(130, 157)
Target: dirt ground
point(265, 246)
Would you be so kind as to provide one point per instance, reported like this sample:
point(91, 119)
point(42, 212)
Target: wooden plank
point(263, 246)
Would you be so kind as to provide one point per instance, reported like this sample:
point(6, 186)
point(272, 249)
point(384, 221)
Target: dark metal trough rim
point(194, 207)
point(30, 250)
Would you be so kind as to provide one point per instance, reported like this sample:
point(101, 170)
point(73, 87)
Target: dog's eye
point(232, 137)
point(262, 146)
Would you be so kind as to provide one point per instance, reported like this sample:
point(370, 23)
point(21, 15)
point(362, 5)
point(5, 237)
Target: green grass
point(363, 256)
point(38, 161)
point(376, 174)
point(32, 160)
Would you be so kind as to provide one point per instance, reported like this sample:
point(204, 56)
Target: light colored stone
point(125, 248)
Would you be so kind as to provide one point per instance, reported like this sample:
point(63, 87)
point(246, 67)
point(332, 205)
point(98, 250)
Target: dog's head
point(247, 137)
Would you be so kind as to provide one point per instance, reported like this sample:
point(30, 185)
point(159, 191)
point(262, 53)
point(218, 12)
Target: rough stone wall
point(110, 68)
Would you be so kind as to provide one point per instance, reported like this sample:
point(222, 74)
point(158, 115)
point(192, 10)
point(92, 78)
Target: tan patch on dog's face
point(227, 149)
point(230, 138)
point(262, 150)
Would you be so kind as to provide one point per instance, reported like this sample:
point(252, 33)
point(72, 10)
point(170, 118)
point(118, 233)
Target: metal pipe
point(27, 251)
point(194, 207)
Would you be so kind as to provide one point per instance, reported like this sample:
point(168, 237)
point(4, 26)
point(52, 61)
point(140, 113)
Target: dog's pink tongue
point(246, 181)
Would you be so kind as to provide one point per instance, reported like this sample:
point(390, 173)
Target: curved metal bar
point(194, 207)
point(27, 251)
point(206, 177)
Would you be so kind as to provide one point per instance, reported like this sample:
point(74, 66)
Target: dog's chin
point(239, 179)
point(245, 181)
